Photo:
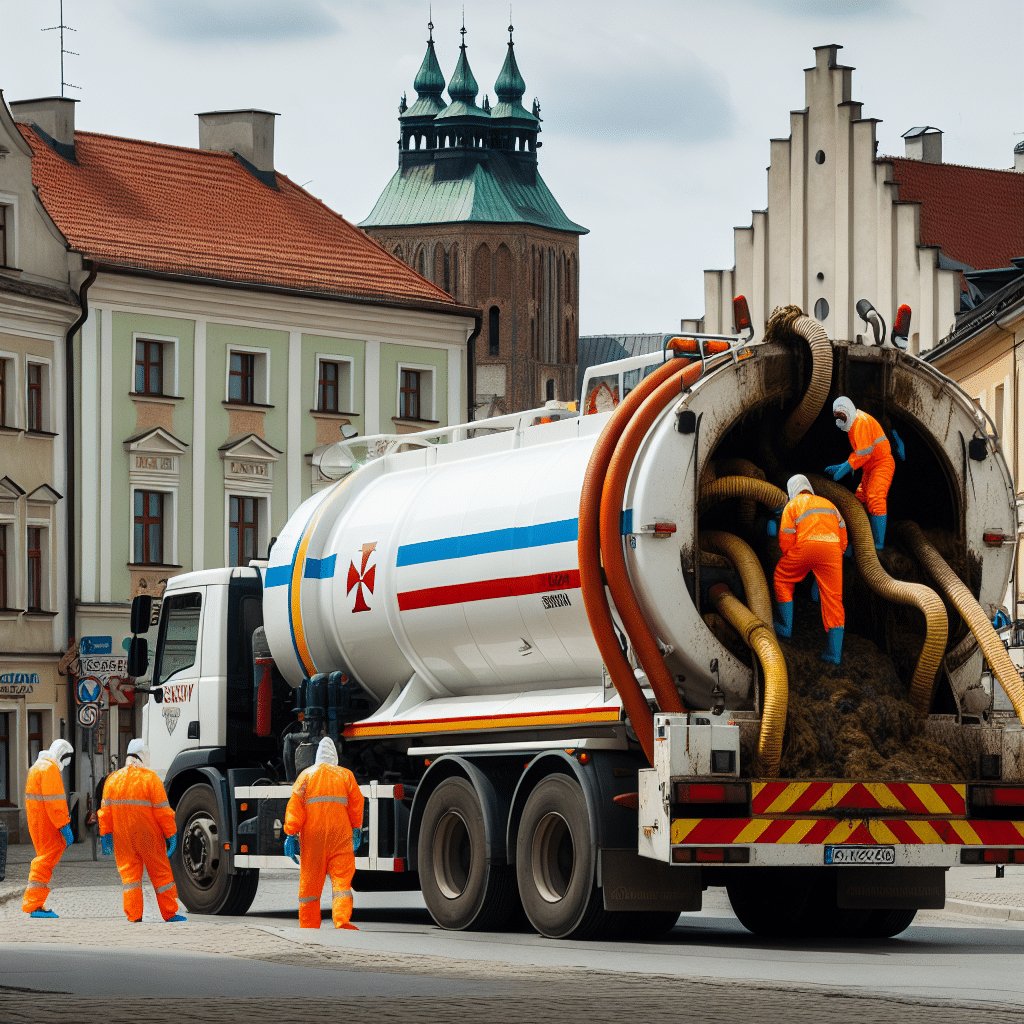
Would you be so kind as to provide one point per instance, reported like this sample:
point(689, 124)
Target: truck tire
point(200, 869)
point(461, 890)
point(555, 863)
point(884, 924)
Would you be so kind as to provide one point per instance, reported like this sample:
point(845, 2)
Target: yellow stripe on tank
point(297, 568)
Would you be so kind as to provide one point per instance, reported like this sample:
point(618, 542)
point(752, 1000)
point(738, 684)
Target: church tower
point(468, 209)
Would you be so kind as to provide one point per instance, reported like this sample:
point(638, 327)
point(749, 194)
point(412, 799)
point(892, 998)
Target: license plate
point(860, 855)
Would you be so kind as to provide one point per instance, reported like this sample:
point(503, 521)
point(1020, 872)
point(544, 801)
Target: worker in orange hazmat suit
point(322, 826)
point(812, 536)
point(137, 826)
point(49, 823)
point(872, 452)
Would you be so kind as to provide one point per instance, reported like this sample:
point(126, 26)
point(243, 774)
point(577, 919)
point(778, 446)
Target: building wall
point(37, 307)
point(834, 230)
point(531, 275)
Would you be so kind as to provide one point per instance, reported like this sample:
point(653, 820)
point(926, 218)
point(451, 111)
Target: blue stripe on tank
point(277, 576)
point(319, 568)
point(487, 543)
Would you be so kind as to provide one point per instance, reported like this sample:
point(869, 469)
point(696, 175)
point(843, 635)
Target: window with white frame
point(333, 384)
point(415, 392)
point(37, 395)
point(155, 371)
point(151, 515)
point(248, 376)
point(245, 513)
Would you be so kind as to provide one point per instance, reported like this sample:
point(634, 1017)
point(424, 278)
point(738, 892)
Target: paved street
point(959, 965)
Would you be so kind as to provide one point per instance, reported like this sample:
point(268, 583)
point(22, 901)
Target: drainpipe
point(70, 496)
point(478, 325)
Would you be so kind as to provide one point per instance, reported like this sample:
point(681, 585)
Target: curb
point(992, 911)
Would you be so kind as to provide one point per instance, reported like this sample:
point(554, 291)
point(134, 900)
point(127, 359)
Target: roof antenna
point(61, 28)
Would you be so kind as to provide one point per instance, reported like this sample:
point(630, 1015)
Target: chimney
point(53, 117)
point(247, 133)
point(1018, 157)
point(925, 144)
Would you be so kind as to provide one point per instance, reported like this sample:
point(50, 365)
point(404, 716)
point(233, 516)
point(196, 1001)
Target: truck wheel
point(461, 890)
point(884, 924)
point(199, 866)
point(555, 863)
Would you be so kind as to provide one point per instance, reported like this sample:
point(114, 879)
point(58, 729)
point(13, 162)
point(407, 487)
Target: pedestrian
point(49, 823)
point(137, 826)
point(812, 536)
point(323, 827)
point(873, 453)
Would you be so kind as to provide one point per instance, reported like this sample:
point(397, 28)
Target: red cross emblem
point(362, 577)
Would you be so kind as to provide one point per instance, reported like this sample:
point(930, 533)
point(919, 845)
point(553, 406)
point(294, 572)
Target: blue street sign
point(94, 645)
point(89, 690)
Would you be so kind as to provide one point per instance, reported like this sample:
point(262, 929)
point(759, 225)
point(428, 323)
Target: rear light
point(993, 538)
point(399, 791)
point(584, 758)
point(901, 325)
point(244, 849)
point(710, 855)
point(976, 856)
point(399, 864)
point(710, 793)
point(664, 529)
point(741, 315)
point(630, 800)
point(997, 796)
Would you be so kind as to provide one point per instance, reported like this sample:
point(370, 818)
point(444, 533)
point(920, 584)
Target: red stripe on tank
point(489, 590)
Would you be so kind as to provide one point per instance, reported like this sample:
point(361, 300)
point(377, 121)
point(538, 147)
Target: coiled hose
point(791, 319)
point(971, 612)
point(588, 548)
point(739, 467)
point(922, 685)
point(761, 640)
point(747, 565)
point(612, 495)
point(740, 487)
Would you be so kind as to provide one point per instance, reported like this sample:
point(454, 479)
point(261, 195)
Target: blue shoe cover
point(784, 628)
point(833, 653)
point(43, 913)
point(878, 530)
point(177, 917)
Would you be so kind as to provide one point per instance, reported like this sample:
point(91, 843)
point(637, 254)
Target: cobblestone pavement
point(480, 990)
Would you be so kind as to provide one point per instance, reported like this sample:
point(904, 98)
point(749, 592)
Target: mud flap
point(891, 888)
point(631, 882)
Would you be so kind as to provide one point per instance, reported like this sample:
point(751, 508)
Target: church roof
point(509, 89)
point(429, 85)
point(462, 88)
point(500, 192)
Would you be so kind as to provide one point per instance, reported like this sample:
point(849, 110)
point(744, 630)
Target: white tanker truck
point(544, 645)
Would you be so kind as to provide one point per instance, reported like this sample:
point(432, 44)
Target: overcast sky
point(657, 114)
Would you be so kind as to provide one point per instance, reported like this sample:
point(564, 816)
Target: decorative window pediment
point(153, 458)
point(45, 494)
point(249, 461)
point(156, 442)
point(9, 490)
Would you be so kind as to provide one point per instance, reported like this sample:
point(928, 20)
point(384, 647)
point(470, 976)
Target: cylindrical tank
point(458, 563)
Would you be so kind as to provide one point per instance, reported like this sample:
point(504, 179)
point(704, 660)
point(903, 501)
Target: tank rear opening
point(854, 720)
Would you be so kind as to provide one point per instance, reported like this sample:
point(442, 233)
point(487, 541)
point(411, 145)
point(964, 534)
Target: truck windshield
point(179, 636)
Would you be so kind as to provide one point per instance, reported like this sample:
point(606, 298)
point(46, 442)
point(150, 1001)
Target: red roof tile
point(975, 214)
point(201, 214)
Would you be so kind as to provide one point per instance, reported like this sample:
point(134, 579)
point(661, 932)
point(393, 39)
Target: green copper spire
point(510, 88)
point(463, 85)
point(429, 84)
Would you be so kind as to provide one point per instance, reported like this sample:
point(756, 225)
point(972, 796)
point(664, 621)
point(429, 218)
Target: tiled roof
point(200, 214)
point(976, 215)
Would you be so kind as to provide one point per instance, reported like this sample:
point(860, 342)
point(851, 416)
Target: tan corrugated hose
point(761, 640)
point(747, 565)
point(739, 467)
point(741, 487)
point(971, 612)
point(922, 686)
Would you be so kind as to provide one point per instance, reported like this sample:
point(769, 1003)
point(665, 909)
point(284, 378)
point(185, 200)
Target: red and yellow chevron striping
point(866, 831)
point(924, 798)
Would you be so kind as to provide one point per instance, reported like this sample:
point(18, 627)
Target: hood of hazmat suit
point(60, 752)
point(797, 485)
point(326, 752)
point(849, 413)
point(137, 749)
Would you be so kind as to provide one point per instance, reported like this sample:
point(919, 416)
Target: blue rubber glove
point(901, 451)
point(291, 847)
point(357, 838)
point(172, 844)
point(838, 471)
point(773, 528)
point(66, 833)
point(107, 844)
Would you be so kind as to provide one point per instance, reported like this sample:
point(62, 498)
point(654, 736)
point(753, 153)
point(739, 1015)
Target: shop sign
point(112, 672)
point(18, 684)
point(94, 645)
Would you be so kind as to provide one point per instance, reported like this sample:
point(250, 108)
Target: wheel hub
point(554, 857)
point(452, 855)
point(200, 851)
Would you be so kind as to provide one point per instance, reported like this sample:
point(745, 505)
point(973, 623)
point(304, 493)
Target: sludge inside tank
point(856, 720)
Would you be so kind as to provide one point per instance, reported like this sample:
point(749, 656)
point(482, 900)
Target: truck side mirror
point(142, 612)
point(138, 654)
